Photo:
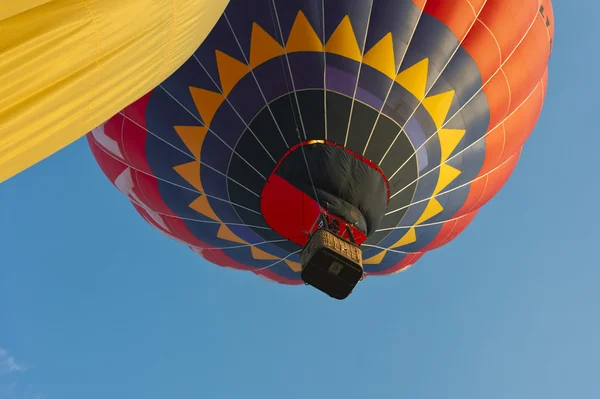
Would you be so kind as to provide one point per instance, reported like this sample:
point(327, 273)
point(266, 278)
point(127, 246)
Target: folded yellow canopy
point(68, 65)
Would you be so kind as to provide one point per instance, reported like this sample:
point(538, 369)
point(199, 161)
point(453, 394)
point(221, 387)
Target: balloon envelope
point(66, 66)
point(402, 117)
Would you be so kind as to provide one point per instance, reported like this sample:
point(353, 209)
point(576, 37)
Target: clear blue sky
point(95, 304)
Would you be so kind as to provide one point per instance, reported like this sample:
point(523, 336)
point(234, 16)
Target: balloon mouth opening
point(306, 144)
point(318, 177)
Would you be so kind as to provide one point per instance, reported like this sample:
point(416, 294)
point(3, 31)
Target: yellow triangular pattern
point(231, 71)
point(207, 102)
point(375, 260)
point(191, 173)
point(192, 137)
point(295, 266)
point(433, 208)
point(259, 254)
point(381, 56)
point(202, 206)
point(343, 41)
point(438, 106)
point(262, 46)
point(414, 79)
point(449, 139)
point(447, 176)
point(408, 238)
point(225, 233)
point(303, 37)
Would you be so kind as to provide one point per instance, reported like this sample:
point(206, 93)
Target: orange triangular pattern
point(375, 260)
point(207, 102)
point(192, 137)
point(381, 56)
point(262, 46)
point(295, 266)
point(303, 37)
point(343, 41)
point(191, 173)
point(259, 254)
point(202, 206)
point(231, 71)
point(225, 233)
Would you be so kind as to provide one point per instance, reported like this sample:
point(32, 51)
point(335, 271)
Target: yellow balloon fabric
point(66, 66)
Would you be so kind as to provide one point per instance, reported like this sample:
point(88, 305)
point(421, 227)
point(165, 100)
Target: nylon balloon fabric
point(68, 65)
point(401, 117)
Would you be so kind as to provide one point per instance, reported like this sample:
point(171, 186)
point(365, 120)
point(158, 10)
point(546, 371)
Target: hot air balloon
point(304, 129)
point(66, 66)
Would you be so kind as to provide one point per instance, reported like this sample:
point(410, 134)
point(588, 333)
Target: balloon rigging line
point(191, 157)
point(274, 11)
point(389, 249)
point(424, 224)
point(148, 209)
point(256, 80)
point(211, 131)
point(474, 143)
point(360, 64)
point(175, 184)
point(463, 106)
point(455, 188)
point(247, 245)
point(235, 110)
point(434, 82)
point(280, 260)
point(412, 35)
point(186, 188)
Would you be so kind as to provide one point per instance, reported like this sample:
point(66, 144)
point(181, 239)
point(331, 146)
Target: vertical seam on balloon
point(468, 101)
point(479, 202)
point(122, 140)
point(255, 79)
point(509, 91)
point(412, 35)
point(360, 64)
point(493, 37)
point(211, 131)
point(174, 233)
point(472, 144)
point(194, 159)
point(443, 242)
point(474, 206)
point(98, 66)
point(144, 199)
point(543, 91)
point(234, 110)
point(503, 139)
point(473, 8)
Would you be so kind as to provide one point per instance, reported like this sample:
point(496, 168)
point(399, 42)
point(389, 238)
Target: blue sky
point(96, 304)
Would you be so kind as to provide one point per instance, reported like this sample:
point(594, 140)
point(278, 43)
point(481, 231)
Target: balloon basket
point(331, 264)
